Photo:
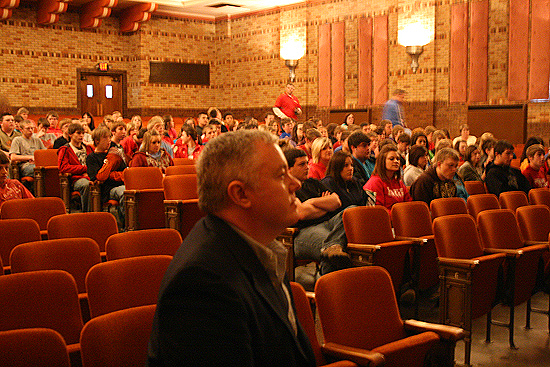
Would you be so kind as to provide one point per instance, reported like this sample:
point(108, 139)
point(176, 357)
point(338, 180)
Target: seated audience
point(310, 136)
point(229, 122)
point(343, 136)
point(22, 149)
point(386, 178)
point(151, 154)
point(187, 145)
point(136, 120)
point(403, 142)
point(118, 133)
point(7, 131)
point(373, 152)
point(396, 132)
point(64, 138)
point(297, 137)
point(286, 127)
point(500, 177)
point(10, 189)
point(339, 179)
point(52, 118)
point(471, 170)
point(359, 144)
point(465, 135)
point(321, 152)
point(331, 131)
point(170, 133)
point(387, 129)
point(535, 172)
point(321, 237)
point(523, 158)
point(487, 152)
point(131, 143)
point(429, 131)
point(437, 181)
point(418, 160)
point(87, 122)
point(105, 165)
point(41, 133)
point(157, 123)
point(71, 158)
point(460, 146)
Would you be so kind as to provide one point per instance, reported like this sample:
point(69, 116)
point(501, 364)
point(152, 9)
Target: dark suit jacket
point(218, 307)
point(359, 172)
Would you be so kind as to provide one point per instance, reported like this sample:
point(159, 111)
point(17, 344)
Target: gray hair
point(229, 157)
point(445, 153)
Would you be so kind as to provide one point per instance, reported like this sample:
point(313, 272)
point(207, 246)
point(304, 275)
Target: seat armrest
point(362, 247)
point(508, 252)
point(535, 243)
point(290, 231)
point(461, 263)
point(444, 331)
point(418, 241)
point(360, 356)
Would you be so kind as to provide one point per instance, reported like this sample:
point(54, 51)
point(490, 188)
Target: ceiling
point(208, 9)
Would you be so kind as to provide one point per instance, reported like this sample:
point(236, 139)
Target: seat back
point(46, 173)
point(41, 299)
point(141, 178)
point(534, 222)
point(33, 347)
point(481, 202)
point(183, 161)
point(512, 200)
point(95, 225)
point(475, 187)
point(305, 316)
point(39, 209)
point(540, 196)
point(45, 157)
point(118, 339)
point(456, 237)
point(15, 232)
point(120, 284)
point(357, 231)
point(498, 228)
point(180, 187)
point(447, 206)
point(162, 241)
point(358, 308)
point(74, 255)
point(411, 219)
point(184, 169)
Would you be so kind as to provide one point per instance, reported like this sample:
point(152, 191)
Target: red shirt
point(317, 170)
point(388, 192)
point(14, 189)
point(287, 104)
point(536, 178)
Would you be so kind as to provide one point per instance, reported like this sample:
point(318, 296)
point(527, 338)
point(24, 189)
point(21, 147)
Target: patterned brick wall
point(39, 63)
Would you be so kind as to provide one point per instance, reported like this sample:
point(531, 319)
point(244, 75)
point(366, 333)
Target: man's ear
point(238, 194)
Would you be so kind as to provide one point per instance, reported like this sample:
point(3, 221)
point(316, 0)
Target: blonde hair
point(318, 145)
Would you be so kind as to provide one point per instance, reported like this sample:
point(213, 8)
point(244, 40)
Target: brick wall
point(39, 63)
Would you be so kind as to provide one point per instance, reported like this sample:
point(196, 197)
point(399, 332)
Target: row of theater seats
point(452, 250)
point(60, 284)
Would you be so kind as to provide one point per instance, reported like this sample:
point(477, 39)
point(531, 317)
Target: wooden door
point(100, 94)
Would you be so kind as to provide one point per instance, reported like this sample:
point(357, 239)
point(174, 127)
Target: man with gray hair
point(437, 181)
point(224, 298)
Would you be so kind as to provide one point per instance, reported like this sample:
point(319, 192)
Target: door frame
point(113, 73)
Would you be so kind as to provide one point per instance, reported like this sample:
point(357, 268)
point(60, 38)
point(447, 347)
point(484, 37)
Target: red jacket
point(68, 162)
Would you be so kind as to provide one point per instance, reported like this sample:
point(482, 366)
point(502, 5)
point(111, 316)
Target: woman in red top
point(186, 146)
point(151, 154)
point(386, 181)
point(321, 152)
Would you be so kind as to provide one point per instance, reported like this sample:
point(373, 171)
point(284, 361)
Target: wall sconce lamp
point(291, 52)
point(414, 37)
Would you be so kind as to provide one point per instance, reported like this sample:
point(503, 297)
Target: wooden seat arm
point(510, 253)
point(461, 263)
point(362, 246)
point(418, 241)
point(360, 356)
point(535, 243)
point(444, 331)
point(290, 231)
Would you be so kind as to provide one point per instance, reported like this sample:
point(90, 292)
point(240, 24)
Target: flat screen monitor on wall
point(179, 73)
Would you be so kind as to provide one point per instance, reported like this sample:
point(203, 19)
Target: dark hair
point(531, 141)
point(356, 138)
point(330, 129)
point(5, 114)
point(404, 138)
point(116, 124)
point(415, 153)
point(18, 118)
point(3, 157)
point(141, 132)
point(43, 121)
point(346, 118)
point(417, 135)
point(91, 124)
point(469, 151)
point(74, 127)
point(502, 145)
point(292, 154)
point(202, 113)
point(488, 144)
point(189, 130)
point(227, 114)
point(336, 165)
point(385, 142)
point(167, 119)
point(380, 166)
